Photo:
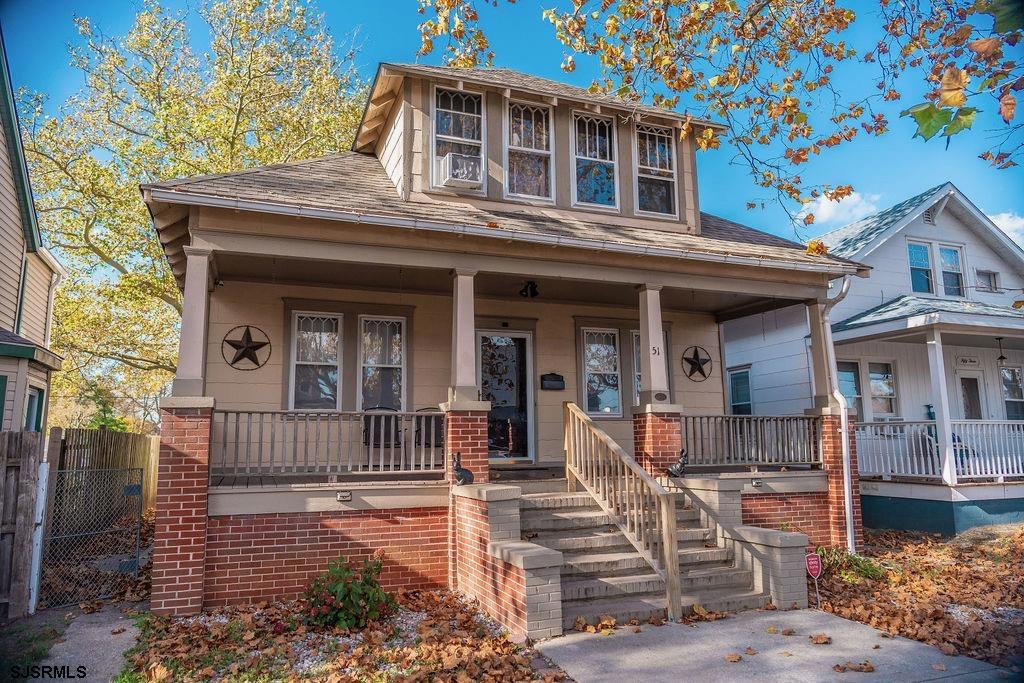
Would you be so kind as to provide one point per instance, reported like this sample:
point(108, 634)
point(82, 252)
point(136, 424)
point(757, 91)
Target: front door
point(971, 387)
point(505, 369)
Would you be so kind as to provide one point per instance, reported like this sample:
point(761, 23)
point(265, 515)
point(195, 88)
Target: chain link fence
point(93, 545)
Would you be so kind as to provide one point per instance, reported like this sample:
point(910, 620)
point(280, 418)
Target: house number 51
point(655, 350)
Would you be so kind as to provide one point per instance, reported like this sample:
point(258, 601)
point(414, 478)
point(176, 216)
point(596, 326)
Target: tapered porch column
point(821, 368)
point(466, 432)
point(657, 436)
point(937, 370)
point(190, 377)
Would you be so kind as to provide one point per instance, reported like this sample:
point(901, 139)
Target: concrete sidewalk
point(677, 652)
point(90, 642)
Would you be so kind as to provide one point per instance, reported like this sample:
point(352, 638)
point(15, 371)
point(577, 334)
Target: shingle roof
point(356, 183)
point(8, 337)
point(848, 240)
point(908, 305)
point(517, 80)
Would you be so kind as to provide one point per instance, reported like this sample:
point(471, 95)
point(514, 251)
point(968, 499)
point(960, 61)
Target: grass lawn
point(964, 595)
point(27, 641)
point(433, 636)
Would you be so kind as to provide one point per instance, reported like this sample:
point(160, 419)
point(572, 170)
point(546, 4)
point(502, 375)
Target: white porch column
point(821, 371)
point(190, 378)
point(937, 370)
point(464, 384)
point(654, 388)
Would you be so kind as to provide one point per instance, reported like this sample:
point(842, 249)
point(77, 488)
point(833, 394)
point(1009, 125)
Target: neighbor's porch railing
point(751, 441)
point(641, 507)
point(287, 443)
point(982, 449)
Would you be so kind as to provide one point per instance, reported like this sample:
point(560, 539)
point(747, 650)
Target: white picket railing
point(982, 449)
point(267, 443)
point(641, 507)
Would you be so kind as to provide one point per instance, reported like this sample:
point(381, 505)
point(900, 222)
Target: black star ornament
point(245, 348)
point(697, 362)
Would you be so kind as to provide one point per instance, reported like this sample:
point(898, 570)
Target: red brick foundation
point(832, 462)
point(466, 434)
point(657, 440)
point(269, 556)
point(179, 545)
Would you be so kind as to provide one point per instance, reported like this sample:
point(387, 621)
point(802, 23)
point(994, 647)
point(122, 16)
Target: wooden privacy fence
point(20, 455)
point(103, 449)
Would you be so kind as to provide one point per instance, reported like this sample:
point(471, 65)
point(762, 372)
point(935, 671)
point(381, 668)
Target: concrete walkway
point(676, 652)
point(90, 642)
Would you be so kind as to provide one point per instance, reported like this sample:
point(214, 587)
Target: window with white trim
point(952, 271)
point(1013, 392)
point(601, 372)
point(655, 170)
point(529, 143)
point(316, 361)
point(381, 363)
point(920, 267)
point(740, 401)
point(849, 385)
point(882, 380)
point(458, 130)
point(594, 160)
point(988, 281)
point(637, 349)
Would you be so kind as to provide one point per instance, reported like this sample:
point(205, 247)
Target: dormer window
point(594, 178)
point(528, 155)
point(656, 171)
point(458, 139)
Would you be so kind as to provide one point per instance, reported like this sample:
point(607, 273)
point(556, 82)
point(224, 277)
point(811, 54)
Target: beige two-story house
point(29, 274)
point(504, 272)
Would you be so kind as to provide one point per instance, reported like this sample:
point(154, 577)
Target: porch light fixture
point(1001, 359)
point(529, 290)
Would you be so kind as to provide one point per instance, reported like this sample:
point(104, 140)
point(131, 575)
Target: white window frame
point(750, 387)
point(618, 368)
point(507, 146)
point(434, 184)
point(294, 359)
point(359, 357)
point(864, 415)
point(614, 161)
point(865, 369)
point(962, 259)
point(1002, 388)
point(992, 288)
point(670, 134)
point(931, 267)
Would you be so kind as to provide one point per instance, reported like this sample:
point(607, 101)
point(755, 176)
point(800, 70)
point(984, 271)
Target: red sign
point(813, 562)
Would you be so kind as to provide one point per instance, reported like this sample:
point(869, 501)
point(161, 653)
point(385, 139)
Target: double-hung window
point(458, 138)
point(529, 151)
point(656, 170)
point(316, 361)
point(594, 166)
point(1013, 392)
point(601, 372)
point(381, 363)
point(883, 388)
point(637, 350)
point(952, 271)
point(740, 402)
point(849, 385)
point(920, 267)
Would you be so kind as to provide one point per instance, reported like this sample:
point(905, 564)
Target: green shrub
point(348, 596)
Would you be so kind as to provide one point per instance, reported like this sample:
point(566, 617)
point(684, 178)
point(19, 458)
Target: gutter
point(175, 197)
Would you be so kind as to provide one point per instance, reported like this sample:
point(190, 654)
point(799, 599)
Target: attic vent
point(929, 217)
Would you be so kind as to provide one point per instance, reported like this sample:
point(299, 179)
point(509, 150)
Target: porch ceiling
point(489, 285)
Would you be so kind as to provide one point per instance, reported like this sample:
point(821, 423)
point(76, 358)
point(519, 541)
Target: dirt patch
point(963, 595)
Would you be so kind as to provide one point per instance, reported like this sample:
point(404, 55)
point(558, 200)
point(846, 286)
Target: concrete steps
point(602, 573)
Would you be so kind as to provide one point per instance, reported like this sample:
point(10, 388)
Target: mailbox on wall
point(552, 382)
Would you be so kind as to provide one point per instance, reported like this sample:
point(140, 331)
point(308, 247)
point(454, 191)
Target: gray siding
point(12, 240)
point(37, 295)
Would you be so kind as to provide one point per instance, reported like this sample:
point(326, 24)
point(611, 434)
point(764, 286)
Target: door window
point(970, 396)
point(504, 382)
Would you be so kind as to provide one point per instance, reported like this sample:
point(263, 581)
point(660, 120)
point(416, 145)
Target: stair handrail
point(643, 509)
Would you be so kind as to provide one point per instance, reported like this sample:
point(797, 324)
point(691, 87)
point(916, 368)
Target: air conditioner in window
point(461, 170)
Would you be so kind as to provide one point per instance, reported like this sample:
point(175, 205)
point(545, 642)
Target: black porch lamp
point(1001, 359)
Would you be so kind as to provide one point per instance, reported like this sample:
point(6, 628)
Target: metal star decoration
point(697, 362)
point(246, 348)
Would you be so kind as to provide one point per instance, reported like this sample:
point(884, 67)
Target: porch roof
point(15, 346)
point(917, 311)
point(354, 187)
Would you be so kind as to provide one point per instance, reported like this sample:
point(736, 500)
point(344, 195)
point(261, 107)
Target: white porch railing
point(751, 441)
point(641, 507)
point(289, 443)
point(982, 449)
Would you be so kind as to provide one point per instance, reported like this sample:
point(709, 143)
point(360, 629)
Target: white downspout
point(844, 415)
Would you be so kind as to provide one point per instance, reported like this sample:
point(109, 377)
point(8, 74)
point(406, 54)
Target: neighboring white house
point(929, 349)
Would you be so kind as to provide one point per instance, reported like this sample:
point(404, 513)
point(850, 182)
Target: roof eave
point(19, 168)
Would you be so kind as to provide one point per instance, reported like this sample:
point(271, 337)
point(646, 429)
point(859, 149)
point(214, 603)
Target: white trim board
point(939, 492)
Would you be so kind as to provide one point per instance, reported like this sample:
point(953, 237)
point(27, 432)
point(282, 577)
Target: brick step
point(721, 576)
point(556, 501)
point(579, 564)
point(602, 539)
point(643, 607)
point(551, 520)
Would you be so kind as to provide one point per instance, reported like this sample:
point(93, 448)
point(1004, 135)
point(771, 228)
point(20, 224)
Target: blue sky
point(883, 171)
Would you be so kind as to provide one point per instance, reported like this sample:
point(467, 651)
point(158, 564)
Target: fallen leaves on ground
point(733, 657)
point(435, 635)
point(864, 667)
point(963, 595)
point(750, 651)
point(820, 639)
